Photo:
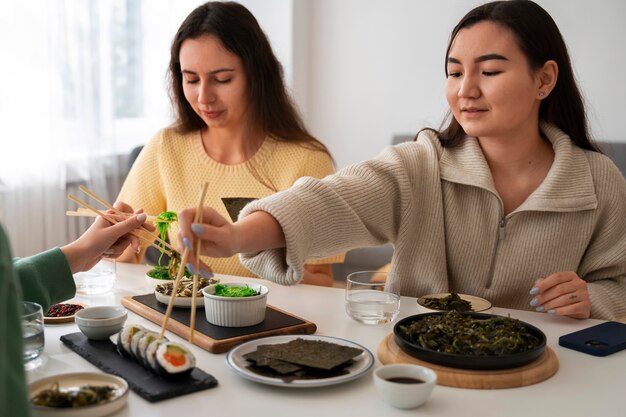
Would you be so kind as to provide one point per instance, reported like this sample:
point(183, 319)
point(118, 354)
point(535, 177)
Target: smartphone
point(599, 340)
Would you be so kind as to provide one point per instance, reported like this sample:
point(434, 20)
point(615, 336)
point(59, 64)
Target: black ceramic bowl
point(468, 361)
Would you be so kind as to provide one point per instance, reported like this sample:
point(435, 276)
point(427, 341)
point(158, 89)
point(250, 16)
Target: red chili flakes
point(63, 310)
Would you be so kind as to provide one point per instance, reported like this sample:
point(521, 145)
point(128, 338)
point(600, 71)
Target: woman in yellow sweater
point(236, 128)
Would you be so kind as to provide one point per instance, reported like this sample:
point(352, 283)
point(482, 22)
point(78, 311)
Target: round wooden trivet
point(538, 370)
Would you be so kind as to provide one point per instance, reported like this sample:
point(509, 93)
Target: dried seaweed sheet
point(280, 367)
point(302, 374)
point(311, 353)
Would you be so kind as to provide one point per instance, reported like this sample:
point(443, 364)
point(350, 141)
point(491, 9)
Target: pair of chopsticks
point(83, 212)
point(181, 272)
point(112, 220)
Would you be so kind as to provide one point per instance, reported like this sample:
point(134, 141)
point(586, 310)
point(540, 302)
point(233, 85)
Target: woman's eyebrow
point(482, 58)
point(216, 71)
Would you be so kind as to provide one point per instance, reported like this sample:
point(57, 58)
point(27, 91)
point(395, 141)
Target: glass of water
point(370, 298)
point(98, 280)
point(32, 333)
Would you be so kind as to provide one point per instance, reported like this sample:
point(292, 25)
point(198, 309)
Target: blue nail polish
point(539, 309)
point(551, 311)
point(534, 302)
point(191, 268)
point(534, 291)
point(187, 243)
point(206, 274)
point(197, 228)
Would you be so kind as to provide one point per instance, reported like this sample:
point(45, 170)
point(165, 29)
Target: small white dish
point(479, 305)
point(74, 381)
point(404, 385)
point(235, 311)
point(62, 319)
point(184, 302)
point(99, 323)
point(235, 359)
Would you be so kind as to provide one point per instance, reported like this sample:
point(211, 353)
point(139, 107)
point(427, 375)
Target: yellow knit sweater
point(170, 170)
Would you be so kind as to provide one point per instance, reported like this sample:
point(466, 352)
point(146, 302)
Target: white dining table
point(584, 385)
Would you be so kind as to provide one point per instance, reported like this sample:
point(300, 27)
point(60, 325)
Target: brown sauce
point(405, 380)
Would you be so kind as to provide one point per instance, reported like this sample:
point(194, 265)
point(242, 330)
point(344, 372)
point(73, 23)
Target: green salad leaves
point(226, 291)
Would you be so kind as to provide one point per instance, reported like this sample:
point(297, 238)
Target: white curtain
point(82, 82)
point(73, 103)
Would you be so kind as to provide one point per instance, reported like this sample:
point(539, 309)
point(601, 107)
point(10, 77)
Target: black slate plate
point(103, 354)
point(467, 361)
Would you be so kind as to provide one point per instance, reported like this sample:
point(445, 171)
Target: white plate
point(75, 380)
point(178, 301)
point(479, 305)
point(236, 361)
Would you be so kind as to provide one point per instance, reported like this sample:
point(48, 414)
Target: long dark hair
point(272, 110)
point(540, 40)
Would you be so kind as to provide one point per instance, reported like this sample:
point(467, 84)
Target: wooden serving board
point(217, 339)
point(538, 370)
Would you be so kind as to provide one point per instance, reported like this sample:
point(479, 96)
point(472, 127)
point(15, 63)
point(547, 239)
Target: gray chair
point(617, 152)
point(362, 259)
point(152, 254)
point(614, 150)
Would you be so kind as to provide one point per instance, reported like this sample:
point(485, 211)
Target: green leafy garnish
point(451, 302)
point(163, 272)
point(226, 291)
point(163, 227)
point(460, 334)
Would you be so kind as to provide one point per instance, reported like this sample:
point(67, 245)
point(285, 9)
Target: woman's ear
point(546, 77)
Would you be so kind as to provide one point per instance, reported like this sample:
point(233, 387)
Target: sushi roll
point(150, 354)
point(134, 343)
point(125, 337)
point(140, 351)
point(173, 360)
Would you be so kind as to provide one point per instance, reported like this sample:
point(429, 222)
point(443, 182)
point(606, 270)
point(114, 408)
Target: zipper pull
point(501, 226)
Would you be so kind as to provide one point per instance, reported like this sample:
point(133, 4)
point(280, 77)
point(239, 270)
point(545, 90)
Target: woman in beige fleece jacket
point(511, 201)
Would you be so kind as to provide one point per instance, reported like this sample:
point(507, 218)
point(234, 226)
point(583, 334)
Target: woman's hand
point(255, 232)
point(216, 233)
point(563, 294)
point(104, 239)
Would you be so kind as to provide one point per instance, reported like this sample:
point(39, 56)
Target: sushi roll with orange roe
point(150, 354)
point(173, 360)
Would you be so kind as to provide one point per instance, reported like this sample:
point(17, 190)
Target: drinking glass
point(98, 280)
point(371, 298)
point(32, 333)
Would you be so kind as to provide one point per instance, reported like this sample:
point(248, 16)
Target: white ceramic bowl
point(235, 311)
point(153, 282)
point(402, 394)
point(479, 305)
point(99, 323)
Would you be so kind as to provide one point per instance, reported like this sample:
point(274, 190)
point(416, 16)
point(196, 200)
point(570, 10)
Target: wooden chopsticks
point(181, 272)
point(113, 221)
point(198, 219)
point(109, 206)
point(83, 212)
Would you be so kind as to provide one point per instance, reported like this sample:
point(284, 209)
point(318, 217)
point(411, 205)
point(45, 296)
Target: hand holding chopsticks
point(181, 272)
point(117, 213)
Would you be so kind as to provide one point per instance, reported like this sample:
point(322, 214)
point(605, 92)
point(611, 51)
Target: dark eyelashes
point(217, 81)
point(485, 73)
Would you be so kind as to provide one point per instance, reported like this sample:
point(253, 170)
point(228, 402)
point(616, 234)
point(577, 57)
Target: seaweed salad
point(451, 302)
point(170, 270)
point(460, 334)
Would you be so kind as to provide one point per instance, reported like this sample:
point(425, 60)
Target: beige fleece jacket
point(441, 211)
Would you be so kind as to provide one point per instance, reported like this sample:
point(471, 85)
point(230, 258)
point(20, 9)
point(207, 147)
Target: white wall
point(376, 68)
